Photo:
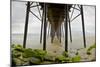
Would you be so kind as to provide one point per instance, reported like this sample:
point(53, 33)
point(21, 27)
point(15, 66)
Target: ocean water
point(33, 41)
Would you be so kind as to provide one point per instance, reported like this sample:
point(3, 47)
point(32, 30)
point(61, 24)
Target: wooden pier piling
point(45, 28)
point(83, 26)
point(66, 28)
point(26, 24)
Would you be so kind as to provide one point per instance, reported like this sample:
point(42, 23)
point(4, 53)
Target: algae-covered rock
point(19, 48)
point(65, 54)
point(47, 62)
point(62, 59)
point(28, 53)
point(77, 58)
point(16, 54)
point(91, 47)
point(77, 53)
point(17, 61)
point(48, 57)
point(38, 53)
point(88, 53)
point(13, 45)
point(26, 63)
point(18, 51)
point(35, 60)
point(34, 53)
point(20, 61)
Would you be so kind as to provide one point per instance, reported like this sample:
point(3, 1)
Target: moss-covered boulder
point(16, 54)
point(91, 47)
point(38, 53)
point(88, 53)
point(62, 59)
point(17, 61)
point(65, 54)
point(49, 57)
point(47, 62)
point(18, 48)
point(28, 53)
point(77, 58)
point(35, 61)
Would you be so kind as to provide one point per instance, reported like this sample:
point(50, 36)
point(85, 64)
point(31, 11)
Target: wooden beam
point(72, 12)
point(38, 10)
point(75, 8)
point(35, 15)
point(75, 17)
point(26, 24)
point(34, 6)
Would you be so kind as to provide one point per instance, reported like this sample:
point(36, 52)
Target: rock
point(91, 47)
point(47, 62)
point(49, 58)
point(34, 61)
point(77, 58)
point(62, 59)
point(39, 54)
point(26, 63)
point(65, 54)
point(16, 54)
point(28, 53)
point(17, 61)
point(88, 53)
point(19, 48)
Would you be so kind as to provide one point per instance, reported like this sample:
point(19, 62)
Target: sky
point(18, 20)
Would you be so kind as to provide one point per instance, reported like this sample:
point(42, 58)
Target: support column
point(83, 27)
point(41, 27)
point(45, 28)
point(26, 24)
point(66, 28)
point(60, 34)
point(48, 29)
point(70, 28)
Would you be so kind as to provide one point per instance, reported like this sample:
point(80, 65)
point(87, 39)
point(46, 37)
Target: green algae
point(28, 56)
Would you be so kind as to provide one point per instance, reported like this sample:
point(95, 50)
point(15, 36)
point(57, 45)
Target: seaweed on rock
point(91, 47)
point(62, 59)
point(28, 56)
point(77, 58)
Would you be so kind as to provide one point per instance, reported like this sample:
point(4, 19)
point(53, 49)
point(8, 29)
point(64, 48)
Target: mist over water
point(33, 41)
